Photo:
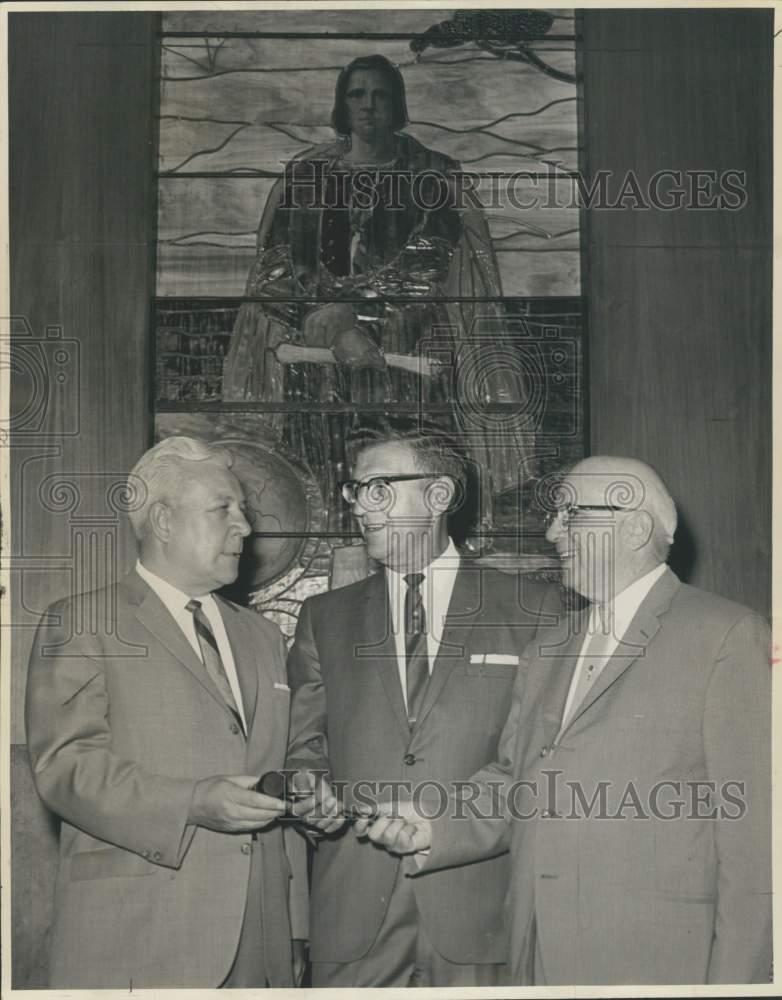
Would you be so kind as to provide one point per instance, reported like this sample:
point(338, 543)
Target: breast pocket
point(281, 694)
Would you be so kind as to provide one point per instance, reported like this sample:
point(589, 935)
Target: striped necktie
point(210, 654)
point(416, 653)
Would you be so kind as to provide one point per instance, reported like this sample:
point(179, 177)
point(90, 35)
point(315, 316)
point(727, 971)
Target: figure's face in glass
point(369, 104)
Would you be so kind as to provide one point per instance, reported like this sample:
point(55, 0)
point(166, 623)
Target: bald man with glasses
point(635, 766)
point(400, 681)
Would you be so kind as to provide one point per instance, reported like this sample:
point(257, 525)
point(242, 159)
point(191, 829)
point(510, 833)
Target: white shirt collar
point(174, 599)
point(626, 603)
point(436, 591)
point(447, 560)
point(176, 602)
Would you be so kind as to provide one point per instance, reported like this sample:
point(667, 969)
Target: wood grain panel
point(680, 301)
point(82, 221)
point(82, 230)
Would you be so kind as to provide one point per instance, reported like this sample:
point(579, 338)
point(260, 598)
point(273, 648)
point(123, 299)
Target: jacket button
point(247, 848)
point(546, 814)
point(409, 759)
point(543, 751)
point(234, 729)
point(157, 856)
point(145, 854)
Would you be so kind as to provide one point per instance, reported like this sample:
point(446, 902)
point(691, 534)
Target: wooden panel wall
point(82, 217)
point(680, 301)
point(82, 231)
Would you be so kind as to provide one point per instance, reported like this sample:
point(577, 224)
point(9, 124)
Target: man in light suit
point(147, 735)
point(405, 677)
point(634, 771)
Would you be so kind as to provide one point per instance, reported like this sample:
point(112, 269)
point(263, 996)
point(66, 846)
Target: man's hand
point(229, 805)
point(405, 832)
point(321, 808)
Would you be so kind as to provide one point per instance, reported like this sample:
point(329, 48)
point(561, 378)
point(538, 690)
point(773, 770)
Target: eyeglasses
point(375, 491)
point(566, 513)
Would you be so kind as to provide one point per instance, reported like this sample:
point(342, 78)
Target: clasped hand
point(398, 828)
point(320, 808)
point(229, 804)
point(395, 826)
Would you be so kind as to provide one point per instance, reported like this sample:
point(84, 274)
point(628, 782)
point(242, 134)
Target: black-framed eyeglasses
point(377, 489)
point(566, 513)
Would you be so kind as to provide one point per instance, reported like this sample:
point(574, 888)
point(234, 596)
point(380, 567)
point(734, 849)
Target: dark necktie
point(415, 645)
point(210, 654)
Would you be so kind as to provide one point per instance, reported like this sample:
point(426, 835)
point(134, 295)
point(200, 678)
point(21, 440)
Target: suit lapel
point(244, 658)
point(464, 604)
point(374, 643)
point(635, 641)
point(561, 654)
point(155, 617)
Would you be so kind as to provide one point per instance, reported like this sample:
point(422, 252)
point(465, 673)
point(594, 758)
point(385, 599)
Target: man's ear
point(637, 529)
point(440, 495)
point(159, 517)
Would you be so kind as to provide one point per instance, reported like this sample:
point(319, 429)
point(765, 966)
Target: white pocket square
point(281, 687)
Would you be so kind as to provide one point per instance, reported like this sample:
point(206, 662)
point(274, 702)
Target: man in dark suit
point(147, 735)
point(405, 678)
point(634, 768)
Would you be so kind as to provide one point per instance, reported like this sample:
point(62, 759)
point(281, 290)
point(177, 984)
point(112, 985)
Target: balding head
point(630, 483)
point(621, 498)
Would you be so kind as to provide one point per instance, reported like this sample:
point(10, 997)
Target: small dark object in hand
point(277, 785)
point(353, 813)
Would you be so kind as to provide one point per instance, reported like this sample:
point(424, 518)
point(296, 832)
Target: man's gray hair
point(158, 474)
point(660, 504)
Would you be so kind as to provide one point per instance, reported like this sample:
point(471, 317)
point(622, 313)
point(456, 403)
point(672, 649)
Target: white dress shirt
point(175, 601)
point(619, 613)
point(436, 591)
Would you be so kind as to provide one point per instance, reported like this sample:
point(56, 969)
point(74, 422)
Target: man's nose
point(243, 525)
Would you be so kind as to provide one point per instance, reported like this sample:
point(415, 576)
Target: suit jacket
point(620, 894)
point(120, 725)
point(348, 718)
